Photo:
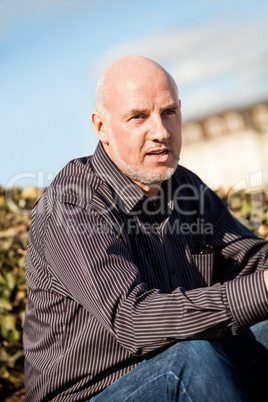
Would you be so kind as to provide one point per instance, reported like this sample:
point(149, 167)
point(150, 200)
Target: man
point(141, 285)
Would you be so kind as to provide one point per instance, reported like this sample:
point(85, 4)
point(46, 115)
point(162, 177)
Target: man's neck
point(151, 190)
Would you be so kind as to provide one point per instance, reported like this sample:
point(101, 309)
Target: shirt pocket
point(202, 268)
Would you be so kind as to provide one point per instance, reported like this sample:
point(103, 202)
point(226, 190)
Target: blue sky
point(53, 51)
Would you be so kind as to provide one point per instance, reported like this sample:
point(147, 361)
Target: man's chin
point(155, 177)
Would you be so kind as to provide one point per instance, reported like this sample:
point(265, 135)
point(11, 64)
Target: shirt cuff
point(248, 300)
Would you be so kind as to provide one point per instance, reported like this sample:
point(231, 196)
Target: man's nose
point(158, 131)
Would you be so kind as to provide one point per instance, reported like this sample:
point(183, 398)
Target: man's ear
point(100, 126)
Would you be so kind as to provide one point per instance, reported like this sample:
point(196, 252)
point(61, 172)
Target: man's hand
point(265, 276)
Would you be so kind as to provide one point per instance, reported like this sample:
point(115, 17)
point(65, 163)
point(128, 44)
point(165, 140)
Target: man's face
point(144, 129)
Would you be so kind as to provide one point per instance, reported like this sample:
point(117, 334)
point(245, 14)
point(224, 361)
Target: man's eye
point(138, 116)
point(169, 112)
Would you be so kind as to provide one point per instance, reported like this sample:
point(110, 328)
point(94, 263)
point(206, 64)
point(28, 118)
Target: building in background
point(229, 149)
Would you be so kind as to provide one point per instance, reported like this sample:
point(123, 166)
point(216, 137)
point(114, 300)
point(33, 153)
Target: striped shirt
point(113, 276)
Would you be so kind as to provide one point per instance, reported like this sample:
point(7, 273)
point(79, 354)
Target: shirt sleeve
point(240, 259)
point(95, 267)
point(248, 300)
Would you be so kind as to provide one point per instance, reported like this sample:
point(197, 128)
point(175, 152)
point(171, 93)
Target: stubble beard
point(137, 173)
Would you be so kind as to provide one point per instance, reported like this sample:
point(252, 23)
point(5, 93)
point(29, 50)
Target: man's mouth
point(158, 155)
point(158, 152)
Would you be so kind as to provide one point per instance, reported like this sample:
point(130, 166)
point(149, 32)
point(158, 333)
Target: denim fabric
point(249, 353)
point(232, 369)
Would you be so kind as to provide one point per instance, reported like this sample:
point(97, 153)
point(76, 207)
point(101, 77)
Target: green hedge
point(13, 242)
point(14, 226)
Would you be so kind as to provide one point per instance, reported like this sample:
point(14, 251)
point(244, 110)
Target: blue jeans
point(232, 369)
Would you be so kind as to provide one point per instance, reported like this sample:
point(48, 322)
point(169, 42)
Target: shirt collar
point(104, 167)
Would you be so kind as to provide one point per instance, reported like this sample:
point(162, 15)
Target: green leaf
point(5, 305)
point(2, 280)
point(11, 280)
point(5, 293)
point(8, 328)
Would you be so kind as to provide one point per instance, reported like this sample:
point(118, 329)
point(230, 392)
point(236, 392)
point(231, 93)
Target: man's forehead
point(142, 90)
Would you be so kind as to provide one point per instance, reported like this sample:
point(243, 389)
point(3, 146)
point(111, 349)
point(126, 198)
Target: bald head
point(124, 71)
